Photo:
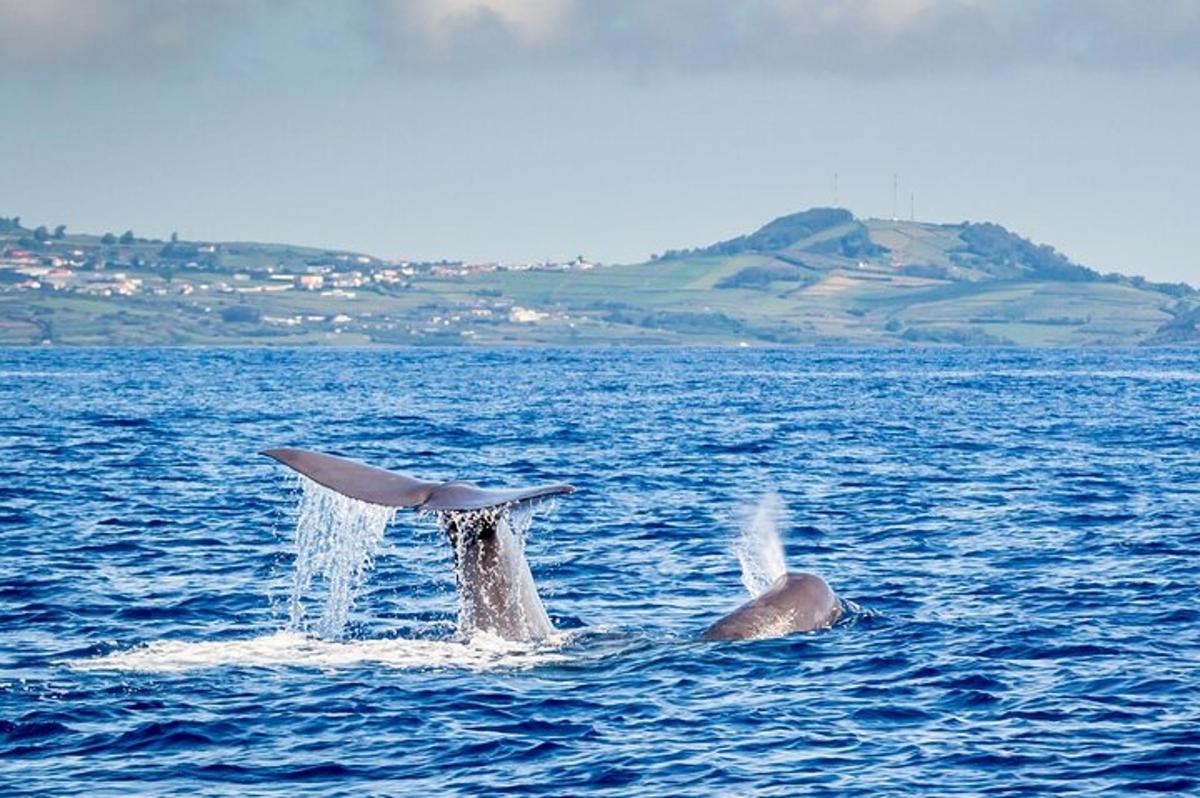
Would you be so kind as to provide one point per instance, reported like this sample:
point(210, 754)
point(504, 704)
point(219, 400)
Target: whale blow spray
point(759, 546)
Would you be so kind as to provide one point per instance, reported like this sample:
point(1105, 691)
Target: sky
point(520, 130)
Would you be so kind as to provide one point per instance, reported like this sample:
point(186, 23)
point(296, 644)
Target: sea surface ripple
point(1017, 530)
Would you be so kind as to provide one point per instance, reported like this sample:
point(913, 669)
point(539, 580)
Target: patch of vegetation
point(962, 336)
point(928, 270)
point(761, 277)
point(995, 250)
point(12, 225)
point(1176, 290)
point(775, 235)
point(856, 244)
point(784, 337)
point(1183, 328)
point(687, 322)
point(240, 314)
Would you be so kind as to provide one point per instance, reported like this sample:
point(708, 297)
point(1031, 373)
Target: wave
point(6, 374)
point(918, 373)
point(289, 649)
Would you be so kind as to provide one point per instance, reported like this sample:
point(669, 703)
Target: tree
point(108, 239)
point(243, 314)
point(174, 238)
point(60, 232)
point(41, 233)
point(127, 237)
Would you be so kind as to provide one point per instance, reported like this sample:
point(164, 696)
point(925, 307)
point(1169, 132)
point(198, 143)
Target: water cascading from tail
point(337, 539)
point(496, 591)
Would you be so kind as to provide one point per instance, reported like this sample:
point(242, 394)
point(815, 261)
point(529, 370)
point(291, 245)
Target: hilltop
point(821, 276)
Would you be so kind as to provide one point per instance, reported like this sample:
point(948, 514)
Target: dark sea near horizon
point(1015, 532)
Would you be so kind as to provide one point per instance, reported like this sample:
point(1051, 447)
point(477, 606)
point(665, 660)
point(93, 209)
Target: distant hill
point(816, 277)
point(971, 252)
point(852, 279)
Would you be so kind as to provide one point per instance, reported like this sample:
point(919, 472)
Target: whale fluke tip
point(387, 488)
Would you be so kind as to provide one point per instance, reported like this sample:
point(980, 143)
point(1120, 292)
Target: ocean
point(1014, 534)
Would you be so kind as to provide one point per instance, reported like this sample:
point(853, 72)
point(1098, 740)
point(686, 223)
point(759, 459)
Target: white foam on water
point(293, 649)
point(759, 546)
point(9, 374)
point(337, 539)
point(1173, 375)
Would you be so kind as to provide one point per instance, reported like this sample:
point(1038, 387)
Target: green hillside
point(817, 277)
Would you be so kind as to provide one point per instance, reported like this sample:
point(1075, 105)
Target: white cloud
point(858, 37)
point(39, 35)
point(821, 36)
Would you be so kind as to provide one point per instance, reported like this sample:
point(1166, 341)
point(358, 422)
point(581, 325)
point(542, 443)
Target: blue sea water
point(1016, 533)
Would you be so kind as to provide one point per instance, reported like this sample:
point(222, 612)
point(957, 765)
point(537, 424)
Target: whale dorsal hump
point(387, 488)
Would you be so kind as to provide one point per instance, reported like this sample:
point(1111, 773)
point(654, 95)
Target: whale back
point(796, 602)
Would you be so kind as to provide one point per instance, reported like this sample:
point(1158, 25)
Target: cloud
point(880, 37)
point(855, 37)
point(41, 35)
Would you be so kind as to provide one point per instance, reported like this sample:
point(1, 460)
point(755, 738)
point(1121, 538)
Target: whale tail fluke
point(389, 489)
